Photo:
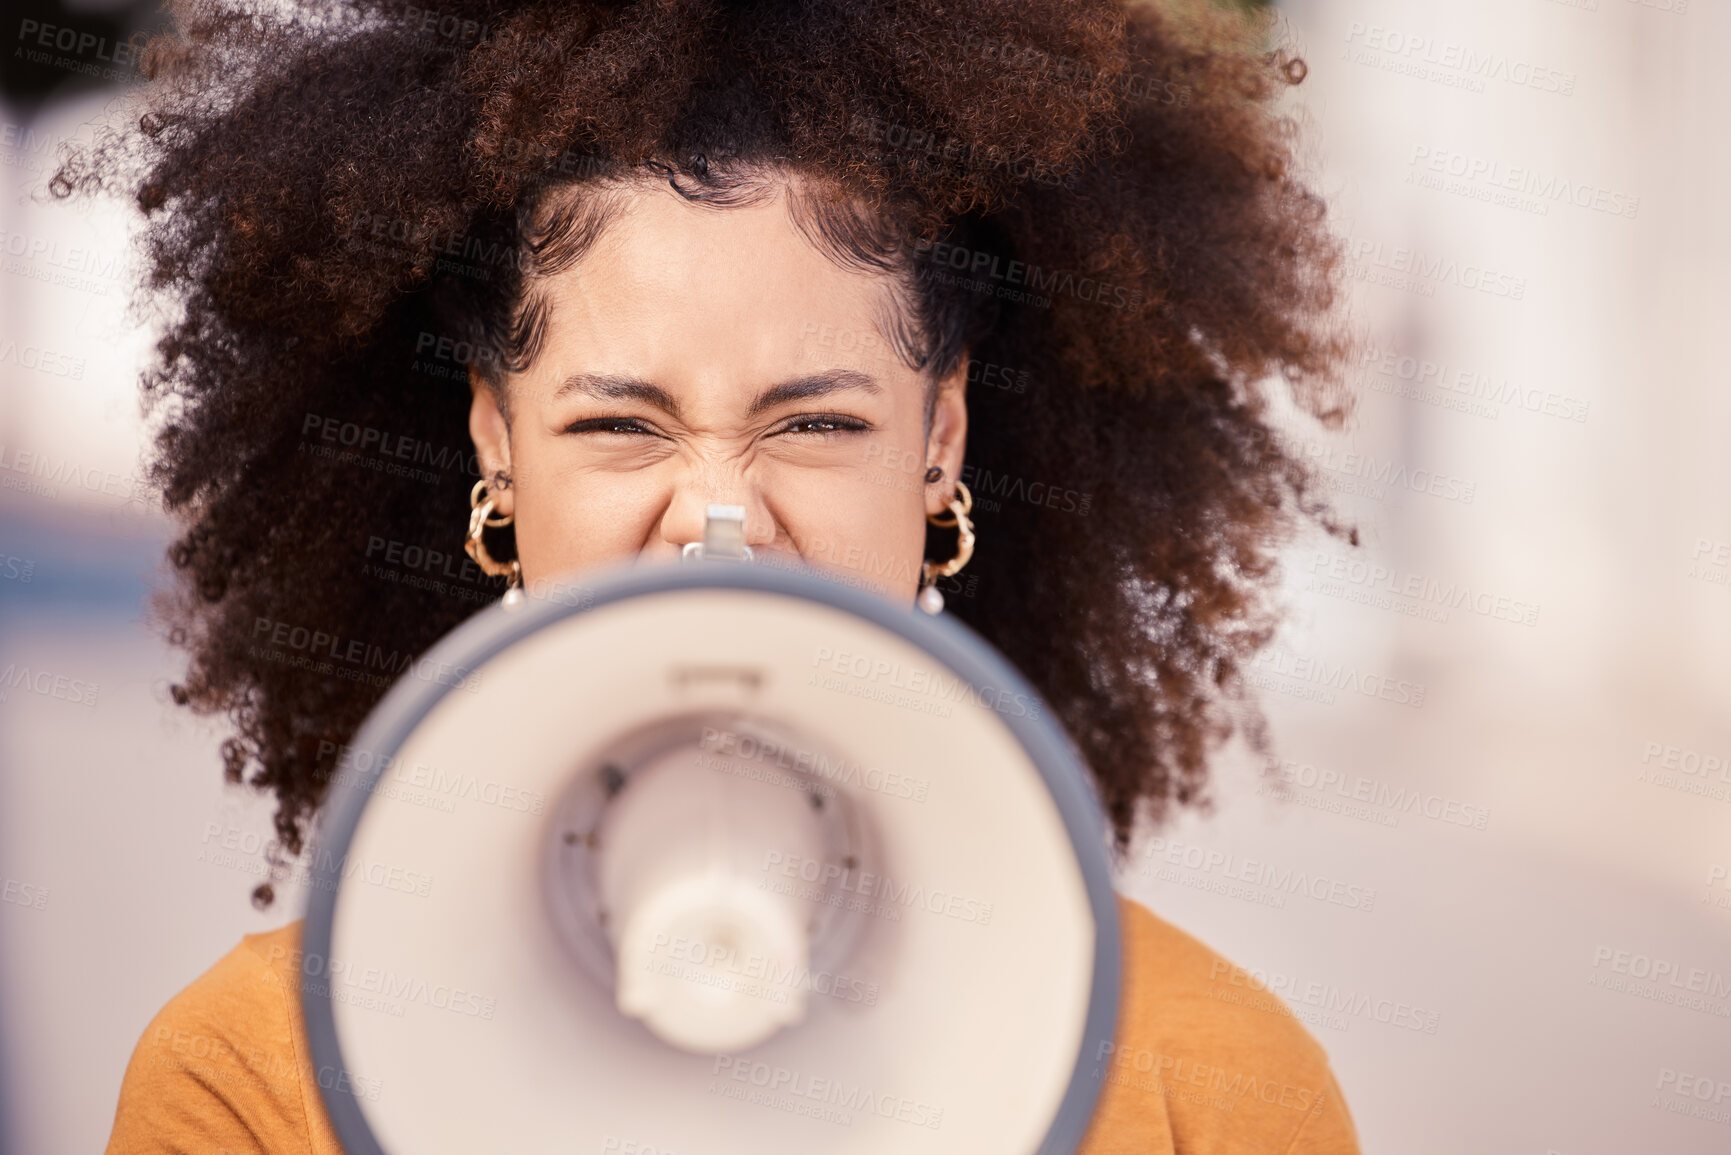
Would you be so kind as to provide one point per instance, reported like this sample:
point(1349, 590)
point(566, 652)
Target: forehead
point(669, 289)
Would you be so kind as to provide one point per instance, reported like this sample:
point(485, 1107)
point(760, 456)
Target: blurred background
point(1504, 723)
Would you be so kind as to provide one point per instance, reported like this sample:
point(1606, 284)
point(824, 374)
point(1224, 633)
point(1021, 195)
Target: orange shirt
point(1200, 1065)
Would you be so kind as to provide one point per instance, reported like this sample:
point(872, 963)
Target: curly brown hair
point(1097, 202)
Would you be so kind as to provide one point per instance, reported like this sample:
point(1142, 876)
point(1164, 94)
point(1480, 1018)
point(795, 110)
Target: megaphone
point(713, 859)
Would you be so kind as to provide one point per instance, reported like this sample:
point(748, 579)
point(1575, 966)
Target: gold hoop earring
point(931, 599)
point(480, 518)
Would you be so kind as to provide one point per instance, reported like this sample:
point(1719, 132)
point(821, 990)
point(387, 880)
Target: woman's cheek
point(867, 524)
point(578, 525)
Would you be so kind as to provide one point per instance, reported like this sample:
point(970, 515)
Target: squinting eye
point(824, 423)
point(608, 425)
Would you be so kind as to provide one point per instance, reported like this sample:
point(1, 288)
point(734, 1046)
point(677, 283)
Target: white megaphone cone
point(713, 859)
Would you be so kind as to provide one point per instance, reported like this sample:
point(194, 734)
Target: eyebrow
point(613, 387)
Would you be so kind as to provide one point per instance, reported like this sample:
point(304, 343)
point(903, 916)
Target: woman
point(856, 267)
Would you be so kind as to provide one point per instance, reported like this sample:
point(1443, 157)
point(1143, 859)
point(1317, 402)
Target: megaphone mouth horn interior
point(705, 806)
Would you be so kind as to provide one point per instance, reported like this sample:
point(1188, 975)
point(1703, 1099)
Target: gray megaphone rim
point(495, 630)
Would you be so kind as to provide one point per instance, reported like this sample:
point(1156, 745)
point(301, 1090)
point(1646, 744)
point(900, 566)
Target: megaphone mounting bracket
point(723, 536)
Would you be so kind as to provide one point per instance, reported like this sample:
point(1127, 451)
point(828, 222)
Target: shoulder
point(1181, 993)
point(223, 1061)
point(1213, 1069)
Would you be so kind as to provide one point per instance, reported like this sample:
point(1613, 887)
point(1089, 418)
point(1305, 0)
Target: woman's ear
point(491, 433)
point(947, 442)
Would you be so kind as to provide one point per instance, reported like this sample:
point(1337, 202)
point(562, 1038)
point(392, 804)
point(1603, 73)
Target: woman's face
point(697, 355)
